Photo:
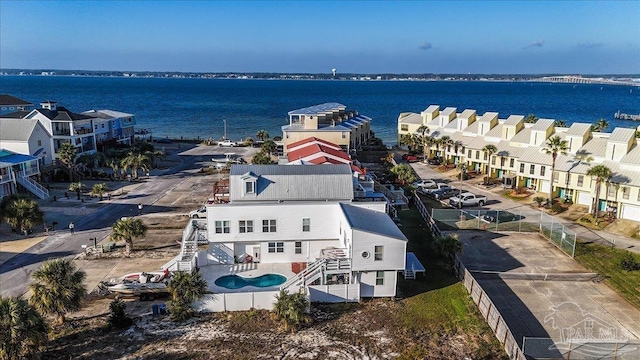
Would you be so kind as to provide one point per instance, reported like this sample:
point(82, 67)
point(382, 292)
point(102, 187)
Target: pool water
point(237, 282)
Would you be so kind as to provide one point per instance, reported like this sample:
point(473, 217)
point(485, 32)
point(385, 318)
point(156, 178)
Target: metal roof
point(412, 118)
point(318, 109)
point(514, 120)
point(596, 147)
point(17, 129)
point(523, 136)
point(622, 135)
point(371, 221)
point(488, 116)
point(432, 108)
point(535, 155)
point(632, 157)
point(578, 129)
point(293, 183)
point(107, 114)
point(495, 132)
point(542, 124)
point(448, 111)
point(9, 157)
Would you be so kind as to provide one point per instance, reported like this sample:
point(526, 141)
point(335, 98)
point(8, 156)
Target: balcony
point(82, 130)
point(62, 132)
point(6, 176)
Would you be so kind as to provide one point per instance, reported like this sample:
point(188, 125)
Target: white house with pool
point(296, 227)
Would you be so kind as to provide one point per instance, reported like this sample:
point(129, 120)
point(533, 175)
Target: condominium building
point(520, 159)
point(331, 122)
point(9, 104)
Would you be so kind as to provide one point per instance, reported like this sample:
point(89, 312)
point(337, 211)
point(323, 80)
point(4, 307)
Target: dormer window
point(249, 179)
point(249, 187)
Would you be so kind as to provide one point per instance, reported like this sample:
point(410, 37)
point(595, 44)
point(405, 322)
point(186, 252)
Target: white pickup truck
point(467, 199)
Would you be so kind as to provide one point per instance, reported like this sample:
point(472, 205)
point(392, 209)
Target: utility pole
point(225, 129)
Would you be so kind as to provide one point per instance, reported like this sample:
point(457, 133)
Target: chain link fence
point(547, 348)
point(507, 220)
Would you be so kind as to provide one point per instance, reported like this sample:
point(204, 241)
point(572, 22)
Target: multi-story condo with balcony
point(112, 127)
point(520, 159)
point(20, 170)
point(331, 122)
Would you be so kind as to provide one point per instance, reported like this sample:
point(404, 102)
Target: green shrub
point(539, 200)
point(118, 318)
point(557, 208)
point(629, 262)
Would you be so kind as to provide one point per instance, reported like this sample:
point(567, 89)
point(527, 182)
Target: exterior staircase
point(410, 274)
point(395, 197)
point(57, 164)
point(186, 260)
point(221, 253)
point(310, 274)
point(33, 186)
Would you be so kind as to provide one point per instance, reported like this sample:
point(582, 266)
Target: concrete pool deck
point(212, 272)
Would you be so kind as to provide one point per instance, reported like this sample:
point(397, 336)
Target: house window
point(344, 135)
point(532, 169)
point(542, 170)
point(521, 168)
point(268, 226)
point(222, 226)
point(379, 277)
point(493, 161)
point(555, 177)
point(377, 254)
point(612, 190)
point(625, 192)
point(103, 125)
point(246, 226)
point(306, 224)
point(580, 180)
point(95, 126)
point(404, 127)
point(469, 154)
point(249, 187)
point(487, 155)
point(477, 155)
point(512, 162)
point(298, 247)
point(39, 142)
point(276, 247)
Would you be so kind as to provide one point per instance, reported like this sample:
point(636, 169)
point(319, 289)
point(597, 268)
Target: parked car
point(435, 161)
point(444, 193)
point(494, 216)
point(228, 143)
point(439, 186)
point(424, 183)
point(199, 214)
point(467, 199)
point(163, 141)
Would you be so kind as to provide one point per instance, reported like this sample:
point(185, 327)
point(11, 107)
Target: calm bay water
point(196, 107)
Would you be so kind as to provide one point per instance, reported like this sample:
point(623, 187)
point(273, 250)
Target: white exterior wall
point(310, 251)
point(288, 218)
point(393, 257)
point(368, 287)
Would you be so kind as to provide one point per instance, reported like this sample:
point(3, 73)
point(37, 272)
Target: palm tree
point(99, 189)
point(261, 158)
point(136, 161)
point(67, 153)
point(127, 229)
point(58, 288)
point(444, 142)
point(449, 246)
point(602, 174)
point(115, 166)
point(405, 173)
point(248, 142)
point(262, 135)
point(423, 131)
point(531, 118)
point(118, 318)
point(77, 187)
point(290, 309)
point(185, 288)
point(489, 150)
point(601, 125)
point(553, 146)
point(268, 147)
point(560, 123)
point(23, 214)
point(86, 161)
point(22, 329)
point(410, 140)
point(159, 155)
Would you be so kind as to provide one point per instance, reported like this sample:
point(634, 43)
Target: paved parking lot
point(541, 292)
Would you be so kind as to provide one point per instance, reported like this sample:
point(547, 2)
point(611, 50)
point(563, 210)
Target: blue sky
point(590, 37)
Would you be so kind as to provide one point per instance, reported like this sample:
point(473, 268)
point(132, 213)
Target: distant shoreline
point(619, 81)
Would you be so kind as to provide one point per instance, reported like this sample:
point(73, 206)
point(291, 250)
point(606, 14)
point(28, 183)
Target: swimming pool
point(237, 282)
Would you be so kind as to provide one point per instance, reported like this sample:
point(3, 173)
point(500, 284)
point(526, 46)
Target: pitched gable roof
point(371, 221)
point(17, 129)
point(12, 100)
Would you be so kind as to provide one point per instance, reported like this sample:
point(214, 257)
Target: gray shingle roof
point(62, 114)
point(293, 183)
point(12, 100)
point(16, 129)
point(371, 221)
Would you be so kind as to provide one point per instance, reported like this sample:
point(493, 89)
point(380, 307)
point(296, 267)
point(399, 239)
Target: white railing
point(306, 276)
point(338, 264)
point(33, 186)
point(6, 177)
point(171, 264)
point(221, 253)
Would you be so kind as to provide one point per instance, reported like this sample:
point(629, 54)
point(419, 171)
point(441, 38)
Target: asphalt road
point(15, 273)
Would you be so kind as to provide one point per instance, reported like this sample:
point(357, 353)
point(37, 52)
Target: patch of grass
point(437, 303)
point(605, 261)
point(589, 222)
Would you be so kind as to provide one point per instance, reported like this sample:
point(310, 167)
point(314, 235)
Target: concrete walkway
point(599, 236)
